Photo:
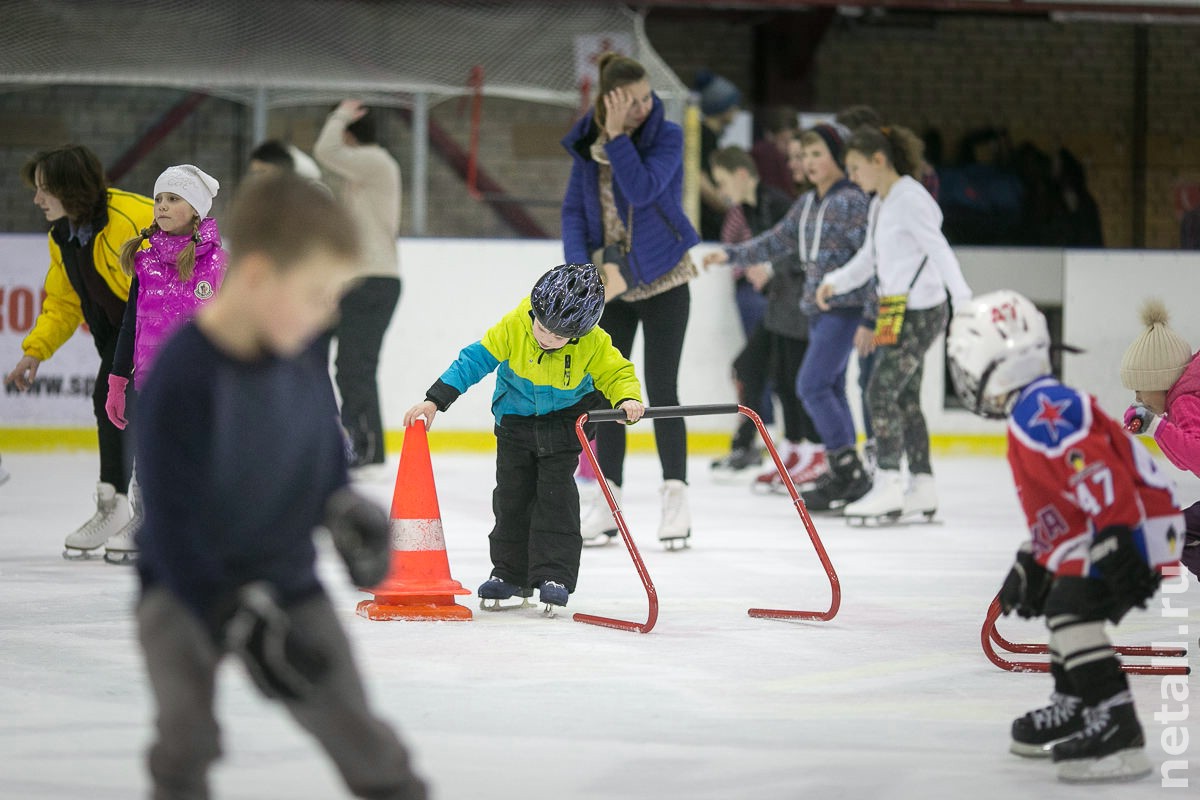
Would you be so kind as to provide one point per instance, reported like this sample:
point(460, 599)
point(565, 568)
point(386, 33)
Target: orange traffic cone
point(419, 585)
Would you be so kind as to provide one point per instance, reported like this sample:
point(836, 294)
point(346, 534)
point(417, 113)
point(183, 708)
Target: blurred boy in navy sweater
point(244, 459)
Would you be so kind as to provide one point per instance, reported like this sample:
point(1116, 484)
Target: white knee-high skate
point(675, 527)
point(884, 503)
point(112, 514)
point(597, 523)
point(121, 547)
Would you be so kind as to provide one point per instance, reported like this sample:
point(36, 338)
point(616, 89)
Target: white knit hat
point(1158, 357)
point(192, 184)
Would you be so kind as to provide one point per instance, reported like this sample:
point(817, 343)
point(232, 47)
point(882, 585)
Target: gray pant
point(182, 659)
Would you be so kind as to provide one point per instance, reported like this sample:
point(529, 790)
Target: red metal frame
point(651, 594)
point(988, 636)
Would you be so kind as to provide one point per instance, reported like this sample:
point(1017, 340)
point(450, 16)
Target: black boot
point(1110, 747)
point(1035, 733)
point(845, 482)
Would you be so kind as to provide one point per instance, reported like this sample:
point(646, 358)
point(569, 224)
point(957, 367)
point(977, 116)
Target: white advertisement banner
point(62, 393)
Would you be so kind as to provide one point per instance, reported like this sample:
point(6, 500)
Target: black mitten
point(1026, 585)
point(281, 660)
point(1115, 555)
point(362, 534)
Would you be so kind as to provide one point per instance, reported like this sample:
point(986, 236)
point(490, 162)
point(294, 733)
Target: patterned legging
point(894, 393)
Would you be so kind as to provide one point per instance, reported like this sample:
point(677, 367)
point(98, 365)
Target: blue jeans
point(821, 382)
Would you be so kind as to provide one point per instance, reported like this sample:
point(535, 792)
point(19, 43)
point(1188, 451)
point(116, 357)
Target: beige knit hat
point(1158, 357)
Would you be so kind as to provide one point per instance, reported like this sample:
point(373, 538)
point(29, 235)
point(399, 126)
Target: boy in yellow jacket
point(89, 223)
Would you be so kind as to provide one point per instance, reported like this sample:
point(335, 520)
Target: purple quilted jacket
point(164, 302)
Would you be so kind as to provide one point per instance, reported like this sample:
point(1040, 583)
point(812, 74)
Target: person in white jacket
point(916, 274)
point(367, 180)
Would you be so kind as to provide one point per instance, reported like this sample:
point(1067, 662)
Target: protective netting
point(293, 52)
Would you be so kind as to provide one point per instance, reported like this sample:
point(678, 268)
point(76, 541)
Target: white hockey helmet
point(998, 344)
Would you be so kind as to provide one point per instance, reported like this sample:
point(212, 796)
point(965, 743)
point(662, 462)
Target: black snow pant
point(536, 502)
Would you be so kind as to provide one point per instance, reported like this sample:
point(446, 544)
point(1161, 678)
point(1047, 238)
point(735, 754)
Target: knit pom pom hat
point(1158, 356)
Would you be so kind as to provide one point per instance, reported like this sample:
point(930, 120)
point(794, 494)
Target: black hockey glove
point(362, 534)
point(1132, 581)
point(1026, 585)
point(282, 661)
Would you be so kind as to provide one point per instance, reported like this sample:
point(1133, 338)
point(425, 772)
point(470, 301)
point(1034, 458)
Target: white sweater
point(902, 229)
point(369, 183)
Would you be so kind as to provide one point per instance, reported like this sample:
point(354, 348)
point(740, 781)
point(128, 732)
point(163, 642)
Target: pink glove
point(115, 404)
point(1140, 419)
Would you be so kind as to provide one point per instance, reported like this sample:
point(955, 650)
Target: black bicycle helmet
point(569, 299)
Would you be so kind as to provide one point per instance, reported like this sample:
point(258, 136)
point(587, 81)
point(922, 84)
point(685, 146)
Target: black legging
point(664, 319)
point(116, 460)
point(366, 312)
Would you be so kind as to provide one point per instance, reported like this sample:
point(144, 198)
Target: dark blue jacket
point(647, 185)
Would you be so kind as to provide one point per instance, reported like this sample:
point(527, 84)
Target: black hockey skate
point(1034, 734)
point(1110, 747)
point(845, 482)
point(497, 589)
point(738, 466)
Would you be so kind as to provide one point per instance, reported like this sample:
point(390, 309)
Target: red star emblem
point(1050, 414)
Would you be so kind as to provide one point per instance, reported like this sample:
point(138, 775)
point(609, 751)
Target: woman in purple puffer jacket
point(173, 277)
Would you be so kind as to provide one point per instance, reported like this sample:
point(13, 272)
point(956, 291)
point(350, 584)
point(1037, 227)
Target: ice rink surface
point(891, 699)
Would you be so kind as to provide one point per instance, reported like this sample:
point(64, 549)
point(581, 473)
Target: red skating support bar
point(989, 636)
point(617, 415)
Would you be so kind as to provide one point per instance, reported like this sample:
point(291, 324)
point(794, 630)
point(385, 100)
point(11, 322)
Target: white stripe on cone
point(417, 534)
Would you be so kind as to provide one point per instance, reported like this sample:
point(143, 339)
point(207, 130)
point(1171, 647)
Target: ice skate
point(1036, 733)
point(845, 482)
point(794, 457)
point(121, 548)
point(494, 589)
point(816, 468)
point(884, 503)
point(675, 527)
point(738, 466)
point(553, 595)
point(597, 522)
point(920, 498)
point(112, 514)
point(1110, 747)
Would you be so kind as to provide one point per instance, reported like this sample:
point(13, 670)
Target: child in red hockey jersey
point(1165, 377)
point(1103, 524)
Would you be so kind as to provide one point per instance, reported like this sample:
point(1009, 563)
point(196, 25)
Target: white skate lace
point(1096, 718)
point(99, 519)
point(1060, 711)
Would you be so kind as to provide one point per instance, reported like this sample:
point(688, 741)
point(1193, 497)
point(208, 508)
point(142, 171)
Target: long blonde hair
point(185, 263)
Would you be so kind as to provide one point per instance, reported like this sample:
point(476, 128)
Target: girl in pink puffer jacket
point(173, 277)
point(1165, 377)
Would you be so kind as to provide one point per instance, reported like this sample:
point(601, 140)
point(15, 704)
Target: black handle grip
point(618, 415)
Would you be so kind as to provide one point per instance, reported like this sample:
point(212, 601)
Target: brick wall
point(1053, 84)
